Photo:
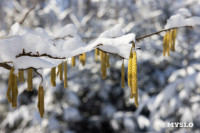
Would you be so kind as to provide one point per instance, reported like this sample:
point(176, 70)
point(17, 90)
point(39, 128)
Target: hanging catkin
point(136, 98)
point(14, 91)
point(30, 79)
point(82, 58)
point(130, 68)
point(53, 76)
point(168, 42)
point(134, 74)
point(96, 54)
point(174, 39)
point(10, 84)
point(60, 71)
point(41, 101)
point(65, 75)
point(21, 75)
point(165, 44)
point(103, 64)
point(122, 75)
point(107, 61)
point(73, 61)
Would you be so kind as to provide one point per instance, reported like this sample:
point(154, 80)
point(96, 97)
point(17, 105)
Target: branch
point(158, 32)
point(37, 55)
point(27, 13)
point(5, 65)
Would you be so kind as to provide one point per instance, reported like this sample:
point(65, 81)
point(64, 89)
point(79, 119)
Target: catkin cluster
point(105, 63)
point(169, 41)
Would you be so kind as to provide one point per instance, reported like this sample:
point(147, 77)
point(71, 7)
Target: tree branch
point(158, 32)
point(37, 55)
point(27, 13)
point(5, 65)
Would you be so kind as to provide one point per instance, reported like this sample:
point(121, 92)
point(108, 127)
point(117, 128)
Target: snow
point(39, 41)
point(184, 11)
point(179, 21)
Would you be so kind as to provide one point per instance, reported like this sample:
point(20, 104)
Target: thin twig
point(39, 75)
point(158, 32)
point(27, 13)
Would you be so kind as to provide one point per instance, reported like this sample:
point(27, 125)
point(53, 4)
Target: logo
point(180, 124)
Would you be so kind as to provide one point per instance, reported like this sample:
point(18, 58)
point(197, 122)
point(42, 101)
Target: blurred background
point(169, 87)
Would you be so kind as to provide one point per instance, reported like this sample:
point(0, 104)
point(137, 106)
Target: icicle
point(41, 101)
point(73, 61)
point(103, 64)
point(122, 74)
point(65, 75)
point(53, 76)
point(14, 91)
point(10, 84)
point(30, 79)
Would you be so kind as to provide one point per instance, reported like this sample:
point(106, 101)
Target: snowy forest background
point(169, 87)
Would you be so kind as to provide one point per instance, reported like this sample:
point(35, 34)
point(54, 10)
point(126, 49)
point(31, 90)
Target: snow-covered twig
point(158, 32)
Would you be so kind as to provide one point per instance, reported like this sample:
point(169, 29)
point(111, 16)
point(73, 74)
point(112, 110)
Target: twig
point(5, 65)
point(39, 75)
point(158, 32)
point(37, 55)
point(27, 13)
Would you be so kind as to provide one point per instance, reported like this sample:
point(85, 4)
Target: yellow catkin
point(130, 69)
point(134, 74)
point(165, 44)
point(170, 38)
point(53, 76)
point(10, 82)
point(30, 79)
point(41, 101)
point(103, 64)
point(122, 75)
point(82, 58)
point(107, 61)
point(73, 61)
point(60, 71)
point(21, 76)
point(174, 39)
point(96, 54)
point(136, 98)
point(65, 75)
point(14, 91)
point(168, 42)
point(100, 54)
